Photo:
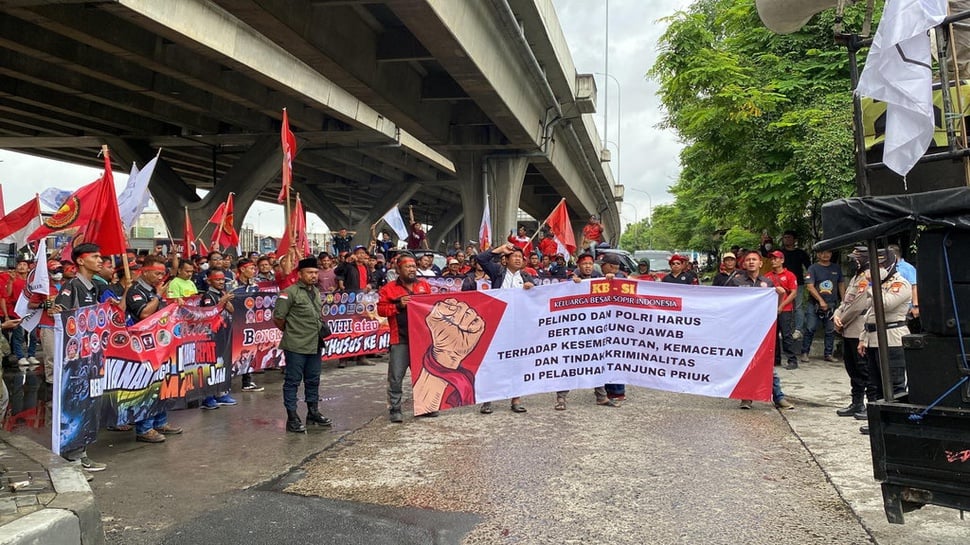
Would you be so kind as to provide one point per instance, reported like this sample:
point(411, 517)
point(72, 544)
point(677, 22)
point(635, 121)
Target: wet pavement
point(663, 468)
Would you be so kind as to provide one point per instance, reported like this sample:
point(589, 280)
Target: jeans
point(776, 393)
point(400, 361)
point(152, 422)
point(784, 341)
point(303, 368)
point(17, 343)
point(800, 308)
point(613, 390)
point(811, 324)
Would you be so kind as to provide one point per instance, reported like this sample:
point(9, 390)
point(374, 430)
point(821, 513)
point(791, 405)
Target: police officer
point(849, 320)
point(298, 315)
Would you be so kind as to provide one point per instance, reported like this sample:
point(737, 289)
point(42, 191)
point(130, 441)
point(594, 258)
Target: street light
point(606, 128)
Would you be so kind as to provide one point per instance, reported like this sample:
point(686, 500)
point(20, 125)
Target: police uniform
point(852, 313)
point(897, 294)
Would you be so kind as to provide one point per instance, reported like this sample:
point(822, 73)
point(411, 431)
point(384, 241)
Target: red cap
point(778, 254)
point(677, 257)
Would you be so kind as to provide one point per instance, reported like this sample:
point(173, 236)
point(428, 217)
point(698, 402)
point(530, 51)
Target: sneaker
point(829, 358)
point(90, 465)
point(169, 429)
point(252, 387)
point(797, 334)
point(486, 408)
point(225, 399)
point(152, 436)
point(396, 417)
point(209, 404)
point(745, 404)
point(33, 360)
point(23, 362)
point(792, 366)
point(785, 404)
point(804, 358)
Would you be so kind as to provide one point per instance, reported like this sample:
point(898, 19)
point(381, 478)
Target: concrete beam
point(399, 45)
point(443, 226)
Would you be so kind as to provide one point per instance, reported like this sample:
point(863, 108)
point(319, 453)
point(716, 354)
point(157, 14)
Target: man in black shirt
point(797, 261)
point(144, 299)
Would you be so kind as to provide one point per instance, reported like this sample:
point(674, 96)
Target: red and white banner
point(471, 347)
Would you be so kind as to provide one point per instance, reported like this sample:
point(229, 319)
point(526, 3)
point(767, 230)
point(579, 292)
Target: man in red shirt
point(592, 231)
point(787, 287)
point(393, 304)
point(45, 328)
point(20, 336)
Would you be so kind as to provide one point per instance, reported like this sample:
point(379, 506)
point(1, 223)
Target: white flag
point(134, 198)
point(394, 219)
point(898, 73)
point(38, 281)
point(53, 198)
point(485, 229)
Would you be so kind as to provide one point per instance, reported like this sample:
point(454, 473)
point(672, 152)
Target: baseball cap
point(610, 259)
point(677, 257)
point(359, 247)
point(777, 254)
point(729, 254)
point(644, 261)
point(452, 260)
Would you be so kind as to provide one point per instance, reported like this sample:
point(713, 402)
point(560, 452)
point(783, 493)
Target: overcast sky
point(645, 159)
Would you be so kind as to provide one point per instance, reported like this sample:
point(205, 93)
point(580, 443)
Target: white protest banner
point(471, 347)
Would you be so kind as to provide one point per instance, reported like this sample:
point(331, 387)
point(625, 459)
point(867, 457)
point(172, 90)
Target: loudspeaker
point(929, 176)
point(935, 301)
point(933, 365)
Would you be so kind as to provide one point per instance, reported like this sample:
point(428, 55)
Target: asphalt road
point(663, 468)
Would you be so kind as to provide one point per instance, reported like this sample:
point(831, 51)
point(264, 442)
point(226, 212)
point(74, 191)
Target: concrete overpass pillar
point(443, 226)
point(506, 176)
point(469, 167)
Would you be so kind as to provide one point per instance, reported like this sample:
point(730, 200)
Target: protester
point(298, 314)
point(679, 274)
point(752, 278)
point(643, 271)
point(416, 237)
point(343, 240)
point(217, 295)
point(246, 284)
point(144, 299)
point(586, 271)
point(510, 276)
point(784, 282)
point(797, 261)
point(610, 267)
point(81, 291)
point(182, 287)
point(394, 298)
point(728, 271)
point(22, 342)
point(592, 232)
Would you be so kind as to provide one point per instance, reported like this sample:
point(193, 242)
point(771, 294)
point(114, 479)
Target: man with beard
point(394, 298)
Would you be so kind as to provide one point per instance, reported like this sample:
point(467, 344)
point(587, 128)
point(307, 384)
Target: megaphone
point(787, 16)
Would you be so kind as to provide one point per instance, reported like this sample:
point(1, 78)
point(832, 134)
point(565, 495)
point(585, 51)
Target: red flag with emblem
point(92, 214)
point(289, 152)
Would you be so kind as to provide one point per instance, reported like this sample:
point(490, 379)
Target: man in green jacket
point(298, 315)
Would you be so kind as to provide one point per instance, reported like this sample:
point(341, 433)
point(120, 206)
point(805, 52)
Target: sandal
point(560, 404)
point(517, 408)
point(486, 408)
point(607, 402)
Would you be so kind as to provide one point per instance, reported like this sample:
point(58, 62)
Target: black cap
point(610, 259)
point(307, 263)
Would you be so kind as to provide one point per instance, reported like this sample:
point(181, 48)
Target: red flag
point(19, 223)
point(188, 237)
point(289, 152)
point(92, 214)
point(216, 216)
point(299, 228)
point(558, 222)
point(225, 235)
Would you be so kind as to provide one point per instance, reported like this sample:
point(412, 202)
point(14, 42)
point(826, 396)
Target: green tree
point(765, 118)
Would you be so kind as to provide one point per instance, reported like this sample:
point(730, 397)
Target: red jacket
point(389, 306)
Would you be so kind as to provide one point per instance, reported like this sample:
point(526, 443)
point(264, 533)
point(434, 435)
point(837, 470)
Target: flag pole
point(546, 221)
point(124, 260)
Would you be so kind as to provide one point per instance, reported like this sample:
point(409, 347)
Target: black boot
point(313, 416)
point(851, 410)
point(293, 422)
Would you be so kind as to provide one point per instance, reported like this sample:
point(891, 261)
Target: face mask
point(768, 246)
point(57, 277)
point(204, 266)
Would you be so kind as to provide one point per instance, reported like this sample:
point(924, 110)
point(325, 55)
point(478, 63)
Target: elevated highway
point(428, 102)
